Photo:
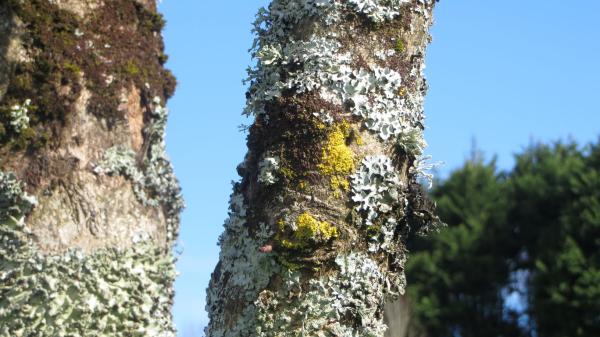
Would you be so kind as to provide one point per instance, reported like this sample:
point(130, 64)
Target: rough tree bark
point(89, 205)
point(315, 242)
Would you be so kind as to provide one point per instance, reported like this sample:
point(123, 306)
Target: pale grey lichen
point(412, 142)
point(384, 239)
point(243, 272)
point(107, 293)
point(383, 55)
point(320, 65)
point(329, 305)
point(19, 120)
point(120, 160)
point(154, 182)
point(158, 171)
point(324, 116)
point(376, 187)
point(360, 289)
point(379, 10)
point(318, 57)
point(278, 21)
point(282, 16)
point(373, 94)
point(422, 169)
point(267, 170)
point(15, 203)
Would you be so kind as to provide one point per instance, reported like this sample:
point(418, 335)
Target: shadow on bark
point(6, 33)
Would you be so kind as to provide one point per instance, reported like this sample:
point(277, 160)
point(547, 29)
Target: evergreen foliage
point(555, 208)
point(536, 226)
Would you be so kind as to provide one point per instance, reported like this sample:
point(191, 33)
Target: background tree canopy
point(521, 253)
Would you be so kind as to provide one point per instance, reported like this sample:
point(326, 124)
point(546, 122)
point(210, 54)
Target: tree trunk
point(400, 319)
point(89, 205)
point(315, 242)
point(397, 317)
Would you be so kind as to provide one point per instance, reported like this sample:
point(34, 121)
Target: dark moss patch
point(116, 46)
point(296, 136)
point(293, 133)
point(421, 218)
point(25, 139)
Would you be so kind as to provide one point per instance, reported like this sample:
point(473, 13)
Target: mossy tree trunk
point(315, 242)
point(89, 205)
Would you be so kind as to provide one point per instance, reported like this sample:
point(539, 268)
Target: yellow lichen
point(358, 139)
point(337, 159)
point(402, 92)
point(308, 231)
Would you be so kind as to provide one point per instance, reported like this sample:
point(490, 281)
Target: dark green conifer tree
point(457, 277)
point(555, 209)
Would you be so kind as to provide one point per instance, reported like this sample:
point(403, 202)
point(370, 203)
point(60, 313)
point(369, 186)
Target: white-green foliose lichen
point(376, 187)
point(267, 170)
point(14, 202)
point(19, 120)
point(121, 160)
point(153, 180)
point(242, 273)
point(106, 293)
point(159, 175)
point(357, 290)
point(372, 93)
point(412, 142)
point(378, 10)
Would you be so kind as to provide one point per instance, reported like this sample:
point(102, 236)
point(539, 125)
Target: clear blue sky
point(503, 72)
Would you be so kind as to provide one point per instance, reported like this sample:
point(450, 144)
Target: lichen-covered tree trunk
point(89, 205)
point(315, 241)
